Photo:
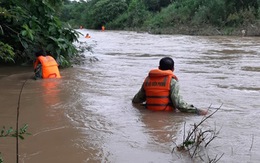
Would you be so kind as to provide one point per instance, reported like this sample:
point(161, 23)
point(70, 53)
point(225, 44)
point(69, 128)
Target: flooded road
point(87, 116)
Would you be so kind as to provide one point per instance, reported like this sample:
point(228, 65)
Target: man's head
point(166, 63)
point(40, 53)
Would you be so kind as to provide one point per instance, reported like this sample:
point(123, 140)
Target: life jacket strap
point(53, 74)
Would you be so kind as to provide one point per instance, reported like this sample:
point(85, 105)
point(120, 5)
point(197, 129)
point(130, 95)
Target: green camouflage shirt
point(176, 98)
point(38, 72)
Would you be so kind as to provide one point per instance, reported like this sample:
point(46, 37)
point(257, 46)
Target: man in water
point(45, 66)
point(160, 90)
point(87, 36)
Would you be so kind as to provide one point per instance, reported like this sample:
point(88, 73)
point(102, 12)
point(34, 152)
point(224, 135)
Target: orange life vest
point(49, 67)
point(157, 90)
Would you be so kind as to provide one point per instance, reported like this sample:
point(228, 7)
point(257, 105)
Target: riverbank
point(252, 30)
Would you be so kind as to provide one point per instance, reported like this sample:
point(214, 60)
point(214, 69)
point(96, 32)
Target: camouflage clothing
point(176, 98)
point(38, 72)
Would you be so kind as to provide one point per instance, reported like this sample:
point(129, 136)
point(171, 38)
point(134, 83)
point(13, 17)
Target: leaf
point(1, 30)
point(31, 36)
point(9, 131)
point(24, 32)
point(23, 129)
point(21, 137)
point(25, 44)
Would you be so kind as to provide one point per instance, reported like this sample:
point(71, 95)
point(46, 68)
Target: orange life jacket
point(157, 90)
point(49, 67)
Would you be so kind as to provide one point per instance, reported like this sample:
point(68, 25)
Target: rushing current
point(87, 115)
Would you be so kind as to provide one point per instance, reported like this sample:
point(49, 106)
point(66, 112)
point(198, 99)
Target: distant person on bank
point(160, 91)
point(45, 66)
point(103, 28)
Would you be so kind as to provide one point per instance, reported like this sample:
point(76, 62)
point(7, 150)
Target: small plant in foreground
point(12, 133)
point(1, 159)
point(197, 140)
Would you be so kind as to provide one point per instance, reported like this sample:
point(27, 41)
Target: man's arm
point(140, 96)
point(179, 103)
point(35, 63)
point(38, 72)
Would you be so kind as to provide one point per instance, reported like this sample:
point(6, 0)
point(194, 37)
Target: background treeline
point(208, 17)
point(30, 25)
point(27, 26)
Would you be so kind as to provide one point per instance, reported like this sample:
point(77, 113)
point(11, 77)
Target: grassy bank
point(251, 30)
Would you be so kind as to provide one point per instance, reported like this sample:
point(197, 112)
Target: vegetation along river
point(87, 116)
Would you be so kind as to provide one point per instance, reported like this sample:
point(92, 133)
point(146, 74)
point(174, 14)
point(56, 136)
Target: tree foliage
point(149, 14)
point(156, 5)
point(106, 10)
point(30, 25)
point(137, 14)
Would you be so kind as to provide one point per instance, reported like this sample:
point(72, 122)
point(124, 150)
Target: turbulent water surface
point(87, 116)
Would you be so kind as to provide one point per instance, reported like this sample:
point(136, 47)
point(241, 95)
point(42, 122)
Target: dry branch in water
point(197, 140)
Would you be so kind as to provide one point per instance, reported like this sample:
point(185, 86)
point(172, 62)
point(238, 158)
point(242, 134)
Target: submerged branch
point(197, 139)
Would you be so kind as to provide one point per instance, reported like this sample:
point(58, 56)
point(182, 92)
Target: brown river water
point(87, 116)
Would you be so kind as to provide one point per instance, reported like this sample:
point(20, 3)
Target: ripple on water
point(250, 68)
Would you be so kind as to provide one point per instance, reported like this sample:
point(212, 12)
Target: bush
point(6, 52)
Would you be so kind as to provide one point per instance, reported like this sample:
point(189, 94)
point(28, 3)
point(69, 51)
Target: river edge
point(251, 30)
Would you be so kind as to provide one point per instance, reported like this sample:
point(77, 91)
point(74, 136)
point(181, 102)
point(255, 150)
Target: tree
point(137, 13)
point(152, 5)
point(237, 5)
point(165, 3)
point(30, 25)
point(105, 11)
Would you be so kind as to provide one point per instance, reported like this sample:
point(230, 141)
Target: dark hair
point(40, 53)
point(166, 63)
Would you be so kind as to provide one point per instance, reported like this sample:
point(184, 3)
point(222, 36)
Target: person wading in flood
point(45, 66)
point(160, 91)
point(87, 36)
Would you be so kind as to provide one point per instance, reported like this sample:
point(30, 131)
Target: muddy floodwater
point(87, 115)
